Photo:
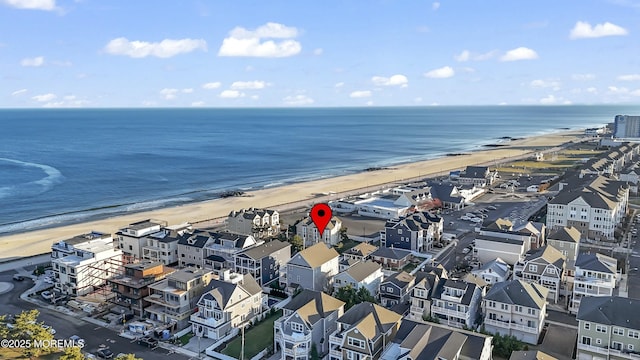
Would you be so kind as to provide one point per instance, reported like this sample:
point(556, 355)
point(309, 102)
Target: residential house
point(132, 238)
point(531, 355)
point(264, 262)
point(312, 268)
point(226, 306)
point(477, 175)
point(426, 341)
point(163, 245)
point(307, 320)
point(608, 328)
point(538, 232)
point(422, 292)
point(259, 223)
point(596, 275)
point(132, 286)
point(631, 176)
point(415, 232)
point(448, 195)
point(310, 235)
point(85, 262)
point(363, 332)
point(595, 209)
point(224, 245)
point(191, 248)
point(544, 266)
point(360, 252)
point(494, 271)
point(174, 298)
point(498, 239)
point(396, 289)
point(456, 303)
point(364, 274)
point(391, 258)
point(516, 308)
point(567, 241)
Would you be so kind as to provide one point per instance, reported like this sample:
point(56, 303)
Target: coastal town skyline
point(87, 54)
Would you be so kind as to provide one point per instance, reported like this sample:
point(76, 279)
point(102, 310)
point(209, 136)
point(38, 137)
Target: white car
point(48, 280)
point(52, 331)
point(47, 295)
point(466, 250)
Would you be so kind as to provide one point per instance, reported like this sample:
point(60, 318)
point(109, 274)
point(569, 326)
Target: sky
point(239, 53)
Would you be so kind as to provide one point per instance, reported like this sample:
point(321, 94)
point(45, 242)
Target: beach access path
point(290, 196)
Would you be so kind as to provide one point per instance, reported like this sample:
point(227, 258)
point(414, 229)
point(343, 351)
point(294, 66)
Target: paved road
point(66, 325)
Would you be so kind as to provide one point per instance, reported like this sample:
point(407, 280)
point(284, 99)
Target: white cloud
point(249, 68)
point(19, 92)
point(360, 94)
point(163, 49)
point(339, 85)
point(635, 92)
point(394, 80)
point(629, 77)
point(467, 55)
point(197, 103)
point(369, 103)
point(251, 43)
point(435, 6)
point(44, 97)
point(187, 91)
point(168, 94)
point(298, 100)
point(255, 97)
point(417, 100)
point(583, 77)
point(503, 103)
point(211, 85)
point(69, 97)
point(521, 53)
point(552, 100)
point(618, 90)
point(70, 101)
point(32, 62)
point(231, 94)
point(318, 51)
point(47, 5)
point(592, 90)
point(249, 85)
point(440, 73)
point(584, 30)
point(545, 84)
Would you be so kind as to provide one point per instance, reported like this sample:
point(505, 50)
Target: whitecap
point(30, 188)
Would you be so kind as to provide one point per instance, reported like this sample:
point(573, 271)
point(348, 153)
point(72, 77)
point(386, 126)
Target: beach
point(286, 197)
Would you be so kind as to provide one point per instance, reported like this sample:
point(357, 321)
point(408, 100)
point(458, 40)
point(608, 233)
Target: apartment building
point(259, 223)
point(415, 232)
point(544, 266)
point(132, 238)
point(516, 308)
point(163, 245)
point(596, 275)
point(84, 263)
point(310, 235)
point(396, 289)
point(132, 286)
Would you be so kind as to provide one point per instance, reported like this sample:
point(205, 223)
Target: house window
point(618, 331)
point(587, 326)
point(492, 304)
point(634, 334)
point(297, 327)
point(355, 342)
point(598, 341)
point(601, 329)
point(518, 308)
point(533, 268)
point(420, 293)
point(551, 270)
point(630, 347)
point(389, 289)
point(532, 311)
point(531, 323)
point(504, 306)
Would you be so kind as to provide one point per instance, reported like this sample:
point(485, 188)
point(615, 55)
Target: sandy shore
point(282, 198)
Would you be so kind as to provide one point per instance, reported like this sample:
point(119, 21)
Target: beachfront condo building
point(310, 235)
point(133, 238)
point(608, 329)
point(306, 321)
point(595, 275)
point(626, 127)
point(312, 268)
point(516, 308)
point(84, 263)
point(227, 306)
point(132, 286)
point(418, 340)
point(595, 209)
point(544, 266)
point(173, 299)
point(264, 262)
point(163, 245)
point(363, 332)
point(259, 223)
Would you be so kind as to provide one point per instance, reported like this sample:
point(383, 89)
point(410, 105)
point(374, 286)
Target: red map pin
point(321, 215)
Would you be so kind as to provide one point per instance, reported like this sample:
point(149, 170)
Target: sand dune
point(282, 198)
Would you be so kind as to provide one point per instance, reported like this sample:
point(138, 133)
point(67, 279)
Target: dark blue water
point(62, 166)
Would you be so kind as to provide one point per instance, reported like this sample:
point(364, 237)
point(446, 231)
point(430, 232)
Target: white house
point(494, 271)
point(363, 274)
point(596, 275)
point(310, 234)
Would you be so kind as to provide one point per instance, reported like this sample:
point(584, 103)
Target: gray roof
point(568, 234)
point(222, 291)
point(478, 172)
point(313, 305)
point(198, 238)
point(362, 269)
point(391, 253)
point(499, 239)
point(498, 266)
point(518, 292)
point(188, 273)
point(610, 310)
point(596, 262)
point(400, 279)
point(143, 224)
point(469, 289)
point(414, 222)
point(79, 239)
point(265, 249)
point(444, 191)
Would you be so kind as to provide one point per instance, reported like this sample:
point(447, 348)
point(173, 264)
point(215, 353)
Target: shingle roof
point(478, 172)
point(313, 305)
point(317, 254)
point(265, 249)
point(498, 266)
point(362, 249)
point(597, 262)
point(361, 270)
point(500, 224)
point(370, 319)
point(222, 291)
point(518, 292)
point(400, 279)
point(549, 254)
point(469, 289)
point(391, 253)
point(568, 234)
point(610, 310)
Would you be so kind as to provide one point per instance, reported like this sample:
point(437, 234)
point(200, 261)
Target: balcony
point(209, 322)
point(417, 310)
point(296, 351)
point(599, 291)
point(511, 325)
point(335, 339)
point(593, 349)
point(336, 353)
point(450, 313)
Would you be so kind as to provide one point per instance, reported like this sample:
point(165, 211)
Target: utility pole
point(242, 343)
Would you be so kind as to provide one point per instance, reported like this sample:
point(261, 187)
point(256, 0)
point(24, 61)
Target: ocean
point(61, 166)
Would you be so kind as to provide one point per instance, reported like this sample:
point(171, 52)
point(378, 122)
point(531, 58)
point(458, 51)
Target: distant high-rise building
point(626, 126)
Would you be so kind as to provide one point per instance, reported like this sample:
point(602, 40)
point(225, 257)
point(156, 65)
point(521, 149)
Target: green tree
point(503, 346)
point(127, 357)
point(314, 352)
point(27, 327)
point(297, 243)
point(352, 296)
point(429, 318)
point(4, 330)
point(343, 234)
point(72, 353)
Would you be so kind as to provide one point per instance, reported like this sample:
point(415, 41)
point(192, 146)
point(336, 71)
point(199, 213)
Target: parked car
point(17, 277)
point(48, 280)
point(52, 331)
point(47, 295)
point(104, 353)
point(77, 340)
point(148, 341)
point(466, 250)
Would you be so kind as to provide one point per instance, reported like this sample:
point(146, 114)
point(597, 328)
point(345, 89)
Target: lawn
point(346, 245)
point(256, 339)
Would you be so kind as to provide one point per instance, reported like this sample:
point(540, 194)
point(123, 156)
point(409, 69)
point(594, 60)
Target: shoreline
point(287, 196)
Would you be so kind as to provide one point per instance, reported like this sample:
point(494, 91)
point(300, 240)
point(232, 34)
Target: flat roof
point(383, 203)
point(78, 239)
